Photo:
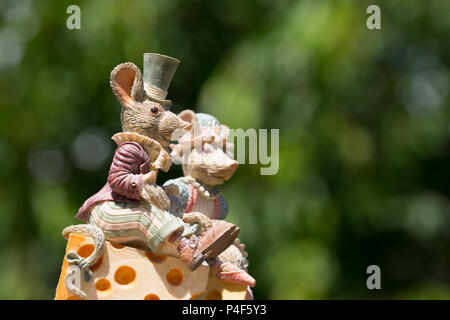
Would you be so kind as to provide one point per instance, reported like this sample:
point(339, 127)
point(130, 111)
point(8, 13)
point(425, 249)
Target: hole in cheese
point(155, 258)
point(195, 296)
point(117, 246)
point(102, 284)
point(124, 275)
point(174, 276)
point(151, 296)
point(85, 251)
point(214, 295)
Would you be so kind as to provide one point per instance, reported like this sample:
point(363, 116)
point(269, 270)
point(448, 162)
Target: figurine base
point(125, 273)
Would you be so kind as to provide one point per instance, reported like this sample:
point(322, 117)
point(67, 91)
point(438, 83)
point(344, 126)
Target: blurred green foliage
point(363, 118)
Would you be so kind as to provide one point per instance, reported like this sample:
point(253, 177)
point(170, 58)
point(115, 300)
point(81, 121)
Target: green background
point(363, 118)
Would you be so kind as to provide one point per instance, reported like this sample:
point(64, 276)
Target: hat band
point(155, 92)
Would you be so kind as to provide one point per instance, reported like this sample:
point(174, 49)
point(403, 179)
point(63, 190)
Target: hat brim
point(163, 102)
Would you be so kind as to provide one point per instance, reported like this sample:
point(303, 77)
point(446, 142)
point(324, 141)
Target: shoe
point(228, 272)
point(249, 294)
point(210, 244)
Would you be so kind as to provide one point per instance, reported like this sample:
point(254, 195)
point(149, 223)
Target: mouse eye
point(154, 109)
point(206, 149)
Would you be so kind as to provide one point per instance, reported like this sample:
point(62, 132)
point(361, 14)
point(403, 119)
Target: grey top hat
point(158, 73)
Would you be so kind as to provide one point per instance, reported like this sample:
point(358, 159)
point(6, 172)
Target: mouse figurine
point(207, 161)
point(131, 209)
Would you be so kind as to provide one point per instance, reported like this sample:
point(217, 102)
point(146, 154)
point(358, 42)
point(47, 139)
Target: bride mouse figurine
point(207, 161)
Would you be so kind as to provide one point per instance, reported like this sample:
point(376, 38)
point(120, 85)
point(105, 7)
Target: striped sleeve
point(223, 208)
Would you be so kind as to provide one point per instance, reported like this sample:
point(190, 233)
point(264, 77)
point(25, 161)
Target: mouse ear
point(127, 84)
point(189, 116)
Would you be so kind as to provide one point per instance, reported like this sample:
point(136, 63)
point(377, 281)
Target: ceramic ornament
point(133, 213)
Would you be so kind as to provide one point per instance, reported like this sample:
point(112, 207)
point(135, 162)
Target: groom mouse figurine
point(130, 208)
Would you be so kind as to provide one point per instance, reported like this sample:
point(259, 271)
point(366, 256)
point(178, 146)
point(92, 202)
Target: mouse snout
point(228, 169)
point(171, 125)
point(232, 167)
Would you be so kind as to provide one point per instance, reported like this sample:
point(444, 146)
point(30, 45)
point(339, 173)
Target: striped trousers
point(142, 226)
